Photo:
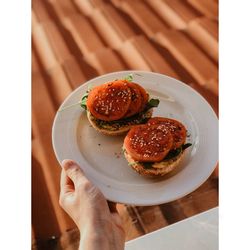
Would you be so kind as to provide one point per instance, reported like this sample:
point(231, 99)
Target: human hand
point(100, 225)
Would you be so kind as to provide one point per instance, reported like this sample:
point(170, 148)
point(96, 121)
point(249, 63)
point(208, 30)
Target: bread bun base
point(158, 168)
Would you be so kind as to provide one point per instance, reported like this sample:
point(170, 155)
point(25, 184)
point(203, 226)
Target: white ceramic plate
point(101, 156)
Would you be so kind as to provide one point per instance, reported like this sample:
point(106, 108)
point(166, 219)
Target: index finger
point(74, 172)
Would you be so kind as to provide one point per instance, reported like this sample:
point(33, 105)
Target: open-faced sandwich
point(114, 107)
point(157, 147)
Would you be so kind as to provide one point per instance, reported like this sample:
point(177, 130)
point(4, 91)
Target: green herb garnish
point(128, 78)
point(82, 103)
point(152, 103)
point(85, 97)
point(187, 145)
point(173, 153)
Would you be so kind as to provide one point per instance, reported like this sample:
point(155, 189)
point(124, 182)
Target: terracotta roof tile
point(132, 56)
point(57, 41)
point(34, 19)
point(207, 7)
point(84, 7)
point(191, 57)
point(73, 72)
point(143, 16)
point(111, 26)
point(43, 47)
point(105, 61)
point(176, 13)
point(152, 57)
point(35, 63)
point(88, 6)
point(205, 33)
point(62, 8)
point(40, 198)
point(84, 34)
point(40, 10)
point(58, 85)
point(43, 113)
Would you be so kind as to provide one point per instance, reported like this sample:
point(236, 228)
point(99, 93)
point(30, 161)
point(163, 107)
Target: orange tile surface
point(76, 40)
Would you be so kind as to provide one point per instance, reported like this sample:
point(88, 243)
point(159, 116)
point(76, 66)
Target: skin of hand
point(98, 221)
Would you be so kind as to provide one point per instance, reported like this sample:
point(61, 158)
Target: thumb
point(73, 171)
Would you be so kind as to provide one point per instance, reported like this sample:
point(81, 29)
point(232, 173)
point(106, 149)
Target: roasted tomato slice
point(136, 100)
point(109, 101)
point(148, 143)
point(177, 129)
point(144, 96)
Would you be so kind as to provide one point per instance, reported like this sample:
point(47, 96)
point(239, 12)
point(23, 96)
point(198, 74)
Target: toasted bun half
point(112, 128)
point(157, 169)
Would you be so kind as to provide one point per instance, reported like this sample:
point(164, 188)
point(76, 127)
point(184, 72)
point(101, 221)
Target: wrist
point(91, 234)
point(92, 238)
